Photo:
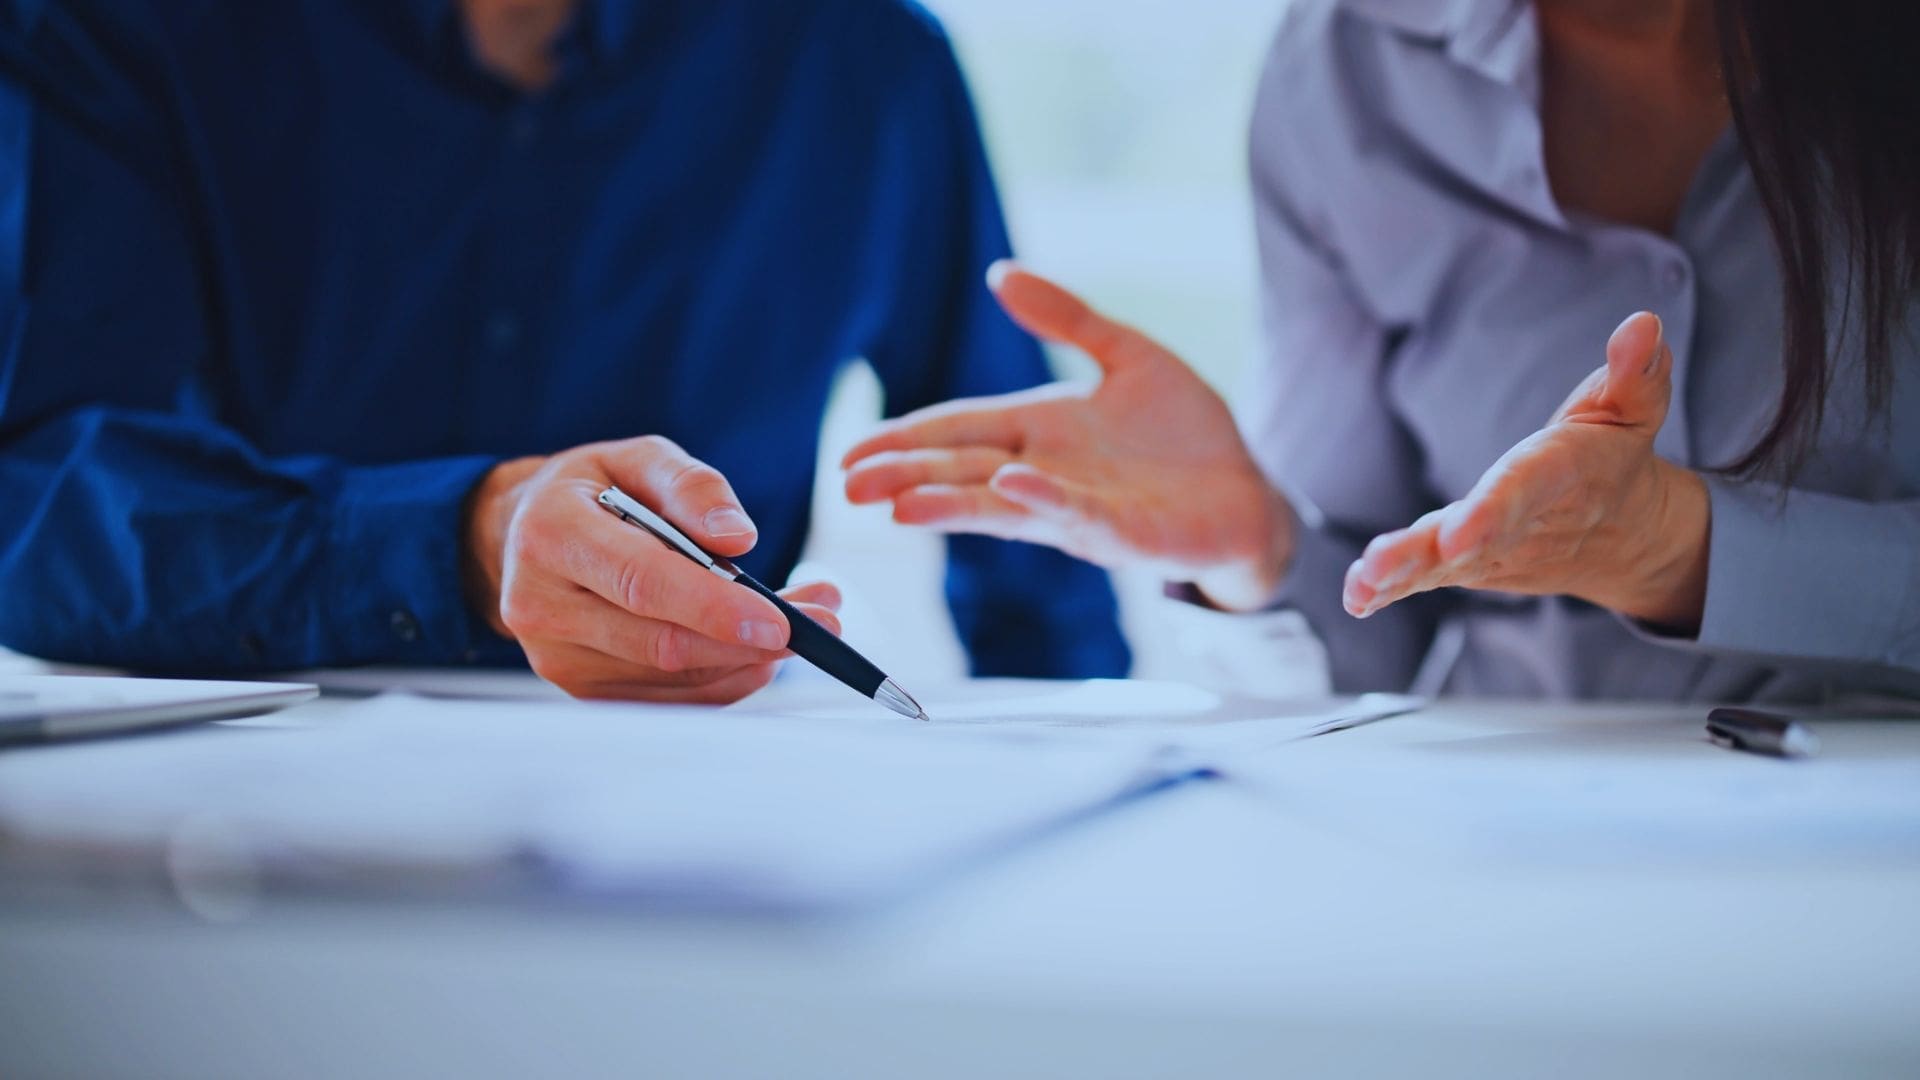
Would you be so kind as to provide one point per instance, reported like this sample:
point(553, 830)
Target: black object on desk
point(1759, 732)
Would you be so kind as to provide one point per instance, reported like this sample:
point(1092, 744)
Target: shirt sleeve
point(1020, 609)
point(1319, 421)
point(140, 531)
point(1806, 579)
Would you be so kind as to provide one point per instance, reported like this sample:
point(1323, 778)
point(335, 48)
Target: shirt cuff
point(1266, 654)
point(1805, 575)
point(397, 583)
point(1381, 653)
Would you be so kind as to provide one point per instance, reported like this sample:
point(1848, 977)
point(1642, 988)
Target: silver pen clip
point(630, 509)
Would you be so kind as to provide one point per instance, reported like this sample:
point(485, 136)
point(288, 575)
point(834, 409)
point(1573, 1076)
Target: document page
point(1608, 792)
point(701, 808)
point(1168, 715)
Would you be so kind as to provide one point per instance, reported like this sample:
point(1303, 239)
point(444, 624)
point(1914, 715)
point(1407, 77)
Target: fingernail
point(1350, 598)
point(727, 521)
point(1659, 342)
point(998, 272)
point(763, 635)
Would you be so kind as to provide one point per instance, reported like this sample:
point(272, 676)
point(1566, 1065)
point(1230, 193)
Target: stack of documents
point(810, 801)
point(676, 806)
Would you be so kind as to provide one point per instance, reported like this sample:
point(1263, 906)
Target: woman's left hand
point(1580, 508)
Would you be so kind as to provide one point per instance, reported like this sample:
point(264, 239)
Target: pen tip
point(890, 695)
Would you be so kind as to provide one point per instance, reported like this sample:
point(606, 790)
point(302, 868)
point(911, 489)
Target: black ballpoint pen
point(1759, 732)
point(808, 639)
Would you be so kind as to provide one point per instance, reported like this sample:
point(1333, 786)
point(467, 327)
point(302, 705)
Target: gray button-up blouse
point(1429, 304)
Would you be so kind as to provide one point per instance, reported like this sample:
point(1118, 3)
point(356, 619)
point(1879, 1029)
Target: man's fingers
point(817, 593)
point(565, 614)
point(1048, 311)
point(725, 690)
point(825, 616)
point(685, 490)
point(571, 536)
point(886, 474)
point(585, 673)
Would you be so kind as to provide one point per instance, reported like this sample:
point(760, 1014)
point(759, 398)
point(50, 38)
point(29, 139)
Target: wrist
point(489, 515)
point(1668, 576)
point(1249, 583)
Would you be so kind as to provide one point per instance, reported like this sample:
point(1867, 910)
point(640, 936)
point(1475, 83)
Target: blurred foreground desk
point(1444, 894)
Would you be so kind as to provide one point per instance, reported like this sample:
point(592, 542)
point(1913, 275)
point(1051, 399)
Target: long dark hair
point(1826, 100)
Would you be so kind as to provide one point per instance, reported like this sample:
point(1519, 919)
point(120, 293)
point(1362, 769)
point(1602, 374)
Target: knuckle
point(638, 585)
point(521, 613)
point(697, 479)
point(669, 650)
point(656, 445)
point(694, 474)
point(536, 532)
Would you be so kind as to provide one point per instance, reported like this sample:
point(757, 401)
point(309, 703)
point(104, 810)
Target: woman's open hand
point(1580, 508)
point(1146, 467)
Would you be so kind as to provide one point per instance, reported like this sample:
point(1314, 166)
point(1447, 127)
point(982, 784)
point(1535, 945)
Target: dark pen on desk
point(807, 639)
point(1759, 732)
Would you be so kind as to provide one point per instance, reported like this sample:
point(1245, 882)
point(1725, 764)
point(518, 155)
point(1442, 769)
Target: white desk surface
point(1210, 929)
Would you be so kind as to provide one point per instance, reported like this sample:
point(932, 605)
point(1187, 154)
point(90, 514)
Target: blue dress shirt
point(279, 282)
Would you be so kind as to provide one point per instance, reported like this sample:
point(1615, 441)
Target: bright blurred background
point(1117, 130)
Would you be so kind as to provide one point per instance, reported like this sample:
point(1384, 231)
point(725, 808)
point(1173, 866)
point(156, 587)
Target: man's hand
point(603, 609)
point(1145, 468)
point(1581, 508)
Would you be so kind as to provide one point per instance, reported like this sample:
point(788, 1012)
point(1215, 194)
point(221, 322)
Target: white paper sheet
point(1642, 793)
point(1168, 715)
point(704, 808)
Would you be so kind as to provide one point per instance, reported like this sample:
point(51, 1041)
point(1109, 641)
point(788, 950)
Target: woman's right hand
point(1144, 468)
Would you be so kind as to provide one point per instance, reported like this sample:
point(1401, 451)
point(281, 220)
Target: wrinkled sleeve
point(1317, 416)
point(1811, 580)
point(135, 529)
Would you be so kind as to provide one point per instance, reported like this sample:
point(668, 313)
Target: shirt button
point(502, 331)
point(404, 625)
point(1674, 276)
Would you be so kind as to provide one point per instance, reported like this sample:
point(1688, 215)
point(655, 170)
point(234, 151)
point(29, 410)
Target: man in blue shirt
point(303, 304)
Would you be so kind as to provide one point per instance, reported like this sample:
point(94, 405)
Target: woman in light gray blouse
point(1461, 466)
